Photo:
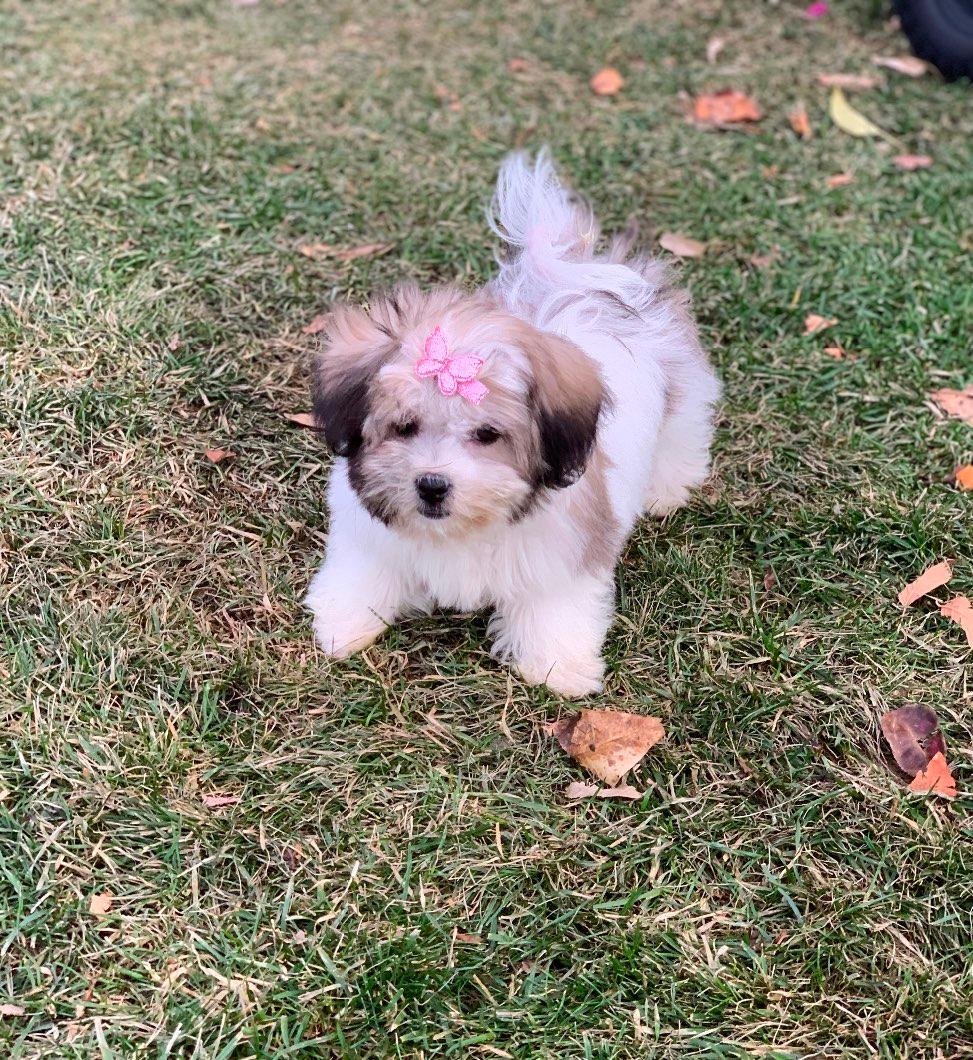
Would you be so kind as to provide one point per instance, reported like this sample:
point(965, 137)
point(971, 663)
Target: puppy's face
point(428, 464)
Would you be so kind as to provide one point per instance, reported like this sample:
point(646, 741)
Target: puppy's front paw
point(581, 677)
point(340, 640)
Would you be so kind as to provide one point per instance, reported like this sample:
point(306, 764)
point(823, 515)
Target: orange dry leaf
point(851, 82)
point(814, 323)
point(579, 790)
point(302, 419)
point(12, 1010)
point(217, 799)
point(100, 903)
point(960, 610)
point(216, 456)
point(839, 180)
point(317, 325)
point(315, 251)
point(955, 402)
point(607, 743)
point(837, 352)
point(607, 82)
point(964, 477)
point(800, 122)
point(517, 65)
point(930, 579)
point(725, 108)
point(682, 246)
point(912, 162)
point(936, 779)
point(470, 940)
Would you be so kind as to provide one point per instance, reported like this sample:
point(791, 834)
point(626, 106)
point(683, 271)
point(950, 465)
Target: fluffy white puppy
point(495, 449)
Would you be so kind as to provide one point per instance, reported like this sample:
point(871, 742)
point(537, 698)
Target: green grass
point(776, 893)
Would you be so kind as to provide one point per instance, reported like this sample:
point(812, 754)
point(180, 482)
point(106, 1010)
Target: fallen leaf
point(800, 122)
point(960, 610)
point(449, 97)
point(578, 789)
point(299, 937)
point(851, 82)
point(955, 402)
point(316, 251)
point(912, 162)
point(517, 65)
point(910, 65)
point(607, 743)
point(912, 733)
point(317, 325)
point(770, 580)
point(837, 352)
point(682, 246)
point(713, 48)
point(470, 940)
point(100, 903)
point(849, 120)
point(963, 477)
point(816, 10)
point(12, 1010)
point(725, 108)
point(767, 172)
point(607, 82)
point(174, 343)
point(625, 791)
point(303, 419)
point(814, 323)
point(839, 180)
point(216, 456)
point(936, 779)
point(218, 798)
point(930, 579)
point(284, 167)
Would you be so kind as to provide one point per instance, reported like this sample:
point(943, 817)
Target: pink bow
point(455, 375)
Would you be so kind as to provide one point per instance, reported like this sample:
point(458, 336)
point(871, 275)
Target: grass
point(777, 893)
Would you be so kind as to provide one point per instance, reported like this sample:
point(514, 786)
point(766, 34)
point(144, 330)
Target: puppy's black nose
point(433, 488)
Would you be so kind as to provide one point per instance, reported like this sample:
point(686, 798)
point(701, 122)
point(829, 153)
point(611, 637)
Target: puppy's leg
point(682, 454)
point(555, 637)
point(354, 597)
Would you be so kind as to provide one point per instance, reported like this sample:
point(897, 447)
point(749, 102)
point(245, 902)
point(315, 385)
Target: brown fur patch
point(590, 509)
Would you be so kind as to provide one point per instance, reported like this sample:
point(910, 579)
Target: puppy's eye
point(487, 435)
point(406, 430)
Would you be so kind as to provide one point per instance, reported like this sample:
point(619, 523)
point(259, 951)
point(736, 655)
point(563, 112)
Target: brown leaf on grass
point(963, 477)
point(682, 246)
point(912, 733)
point(470, 940)
point(100, 903)
point(214, 800)
point(12, 1010)
point(800, 122)
point(910, 163)
point(317, 251)
point(607, 82)
point(317, 325)
point(217, 456)
point(728, 107)
point(838, 353)
point(303, 419)
point(175, 341)
point(770, 580)
point(960, 610)
point(607, 743)
point(284, 167)
point(910, 65)
point(578, 789)
point(840, 180)
point(517, 65)
point(851, 82)
point(955, 402)
point(624, 791)
point(713, 48)
point(930, 579)
point(813, 323)
point(936, 779)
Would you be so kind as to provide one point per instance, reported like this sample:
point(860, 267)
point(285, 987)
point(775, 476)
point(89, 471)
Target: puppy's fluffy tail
point(552, 232)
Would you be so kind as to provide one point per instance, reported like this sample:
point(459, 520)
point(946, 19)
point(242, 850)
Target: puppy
point(495, 449)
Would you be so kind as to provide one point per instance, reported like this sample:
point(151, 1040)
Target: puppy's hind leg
point(555, 638)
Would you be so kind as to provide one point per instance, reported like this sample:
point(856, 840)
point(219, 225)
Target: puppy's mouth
point(433, 511)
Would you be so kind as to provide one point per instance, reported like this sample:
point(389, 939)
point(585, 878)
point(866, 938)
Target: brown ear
point(568, 395)
point(354, 347)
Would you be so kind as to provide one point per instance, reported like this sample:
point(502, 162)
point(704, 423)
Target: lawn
point(395, 870)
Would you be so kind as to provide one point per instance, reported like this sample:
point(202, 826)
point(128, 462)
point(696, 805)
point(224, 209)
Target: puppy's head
point(427, 463)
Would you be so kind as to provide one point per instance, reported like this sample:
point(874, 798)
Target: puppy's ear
point(355, 345)
point(568, 396)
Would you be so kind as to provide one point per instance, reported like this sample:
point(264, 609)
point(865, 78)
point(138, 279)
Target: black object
point(941, 32)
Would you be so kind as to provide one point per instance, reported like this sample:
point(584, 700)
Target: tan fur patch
point(590, 509)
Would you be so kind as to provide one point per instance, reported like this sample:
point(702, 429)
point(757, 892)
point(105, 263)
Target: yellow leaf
point(849, 120)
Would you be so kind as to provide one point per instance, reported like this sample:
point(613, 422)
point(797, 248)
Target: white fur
point(550, 617)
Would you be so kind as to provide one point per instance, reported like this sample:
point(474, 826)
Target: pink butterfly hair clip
point(455, 375)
